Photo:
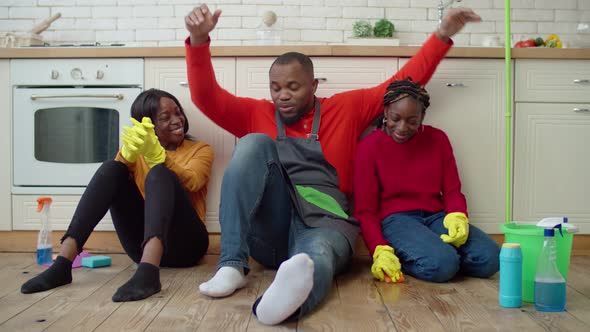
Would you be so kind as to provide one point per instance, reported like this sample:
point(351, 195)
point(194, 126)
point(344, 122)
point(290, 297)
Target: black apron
point(314, 182)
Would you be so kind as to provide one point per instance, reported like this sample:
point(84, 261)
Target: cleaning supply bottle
point(549, 283)
point(44, 243)
point(510, 295)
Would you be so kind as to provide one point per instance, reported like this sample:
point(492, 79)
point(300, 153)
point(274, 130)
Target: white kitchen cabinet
point(169, 74)
point(335, 74)
point(552, 130)
point(552, 155)
point(5, 147)
point(26, 217)
point(467, 101)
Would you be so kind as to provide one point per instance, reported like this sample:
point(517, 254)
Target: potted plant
point(383, 29)
point(362, 29)
point(379, 35)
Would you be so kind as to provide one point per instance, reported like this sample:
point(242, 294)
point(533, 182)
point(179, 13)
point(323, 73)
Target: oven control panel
point(83, 72)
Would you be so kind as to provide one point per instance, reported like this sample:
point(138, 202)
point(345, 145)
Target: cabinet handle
point(322, 79)
point(455, 85)
point(118, 96)
point(184, 84)
point(582, 110)
point(581, 81)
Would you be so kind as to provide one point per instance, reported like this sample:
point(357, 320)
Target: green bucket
point(531, 239)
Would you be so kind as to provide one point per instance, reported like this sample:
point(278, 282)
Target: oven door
point(62, 135)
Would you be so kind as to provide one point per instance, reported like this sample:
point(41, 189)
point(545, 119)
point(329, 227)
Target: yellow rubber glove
point(132, 144)
point(153, 152)
point(386, 264)
point(458, 226)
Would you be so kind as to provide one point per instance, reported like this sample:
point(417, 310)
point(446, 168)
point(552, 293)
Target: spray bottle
point(549, 283)
point(44, 242)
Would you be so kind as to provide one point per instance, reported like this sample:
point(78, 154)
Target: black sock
point(58, 274)
point(144, 283)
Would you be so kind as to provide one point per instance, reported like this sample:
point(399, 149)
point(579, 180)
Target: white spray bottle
point(44, 241)
point(549, 283)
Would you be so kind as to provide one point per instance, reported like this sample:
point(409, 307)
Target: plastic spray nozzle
point(552, 223)
point(41, 201)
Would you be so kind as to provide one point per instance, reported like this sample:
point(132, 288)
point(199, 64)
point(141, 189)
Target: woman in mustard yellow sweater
point(155, 189)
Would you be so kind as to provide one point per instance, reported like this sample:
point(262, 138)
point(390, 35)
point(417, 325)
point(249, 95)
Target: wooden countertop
point(320, 50)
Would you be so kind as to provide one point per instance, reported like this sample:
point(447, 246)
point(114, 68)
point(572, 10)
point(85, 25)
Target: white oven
point(67, 118)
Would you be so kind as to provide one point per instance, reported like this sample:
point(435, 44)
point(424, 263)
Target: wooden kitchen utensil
point(37, 29)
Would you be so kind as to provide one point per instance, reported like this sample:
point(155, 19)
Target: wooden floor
point(356, 303)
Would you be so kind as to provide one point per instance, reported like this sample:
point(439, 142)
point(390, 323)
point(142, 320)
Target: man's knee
point(252, 152)
point(252, 144)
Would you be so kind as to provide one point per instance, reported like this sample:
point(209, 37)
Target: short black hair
point(401, 89)
point(147, 104)
point(289, 57)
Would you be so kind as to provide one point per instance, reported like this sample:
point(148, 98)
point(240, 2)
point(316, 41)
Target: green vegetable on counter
point(383, 28)
point(361, 29)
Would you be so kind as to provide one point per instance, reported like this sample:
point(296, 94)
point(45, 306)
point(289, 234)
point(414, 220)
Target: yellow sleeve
point(192, 166)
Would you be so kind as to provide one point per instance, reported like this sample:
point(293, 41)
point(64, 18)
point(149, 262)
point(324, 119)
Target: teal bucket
point(531, 240)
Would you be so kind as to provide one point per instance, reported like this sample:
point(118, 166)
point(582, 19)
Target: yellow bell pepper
point(553, 41)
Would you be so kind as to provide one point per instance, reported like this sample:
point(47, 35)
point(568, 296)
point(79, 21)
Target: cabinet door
point(169, 74)
point(334, 74)
point(5, 147)
point(551, 161)
point(467, 102)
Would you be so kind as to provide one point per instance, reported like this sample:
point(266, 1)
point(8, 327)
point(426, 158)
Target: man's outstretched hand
point(199, 22)
point(454, 20)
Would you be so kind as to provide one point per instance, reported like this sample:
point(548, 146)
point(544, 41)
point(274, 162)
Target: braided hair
point(401, 89)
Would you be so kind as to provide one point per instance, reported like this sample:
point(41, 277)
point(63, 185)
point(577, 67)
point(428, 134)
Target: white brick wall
point(161, 22)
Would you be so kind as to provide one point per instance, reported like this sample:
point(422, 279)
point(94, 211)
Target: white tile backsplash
point(161, 22)
point(77, 12)
point(28, 12)
point(556, 4)
point(133, 24)
point(109, 11)
point(155, 35)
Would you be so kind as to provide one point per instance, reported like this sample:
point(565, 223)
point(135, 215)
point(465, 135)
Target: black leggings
point(166, 213)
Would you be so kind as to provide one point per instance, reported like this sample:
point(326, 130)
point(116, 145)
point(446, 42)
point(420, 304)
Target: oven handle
point(118, 96)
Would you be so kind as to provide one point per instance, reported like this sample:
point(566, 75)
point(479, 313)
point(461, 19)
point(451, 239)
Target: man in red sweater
point(283, 195)
point(408, 197)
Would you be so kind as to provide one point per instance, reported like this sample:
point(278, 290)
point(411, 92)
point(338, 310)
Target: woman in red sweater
point(408, 196)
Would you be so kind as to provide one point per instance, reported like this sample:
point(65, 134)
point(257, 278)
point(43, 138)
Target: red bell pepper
point(525, 43)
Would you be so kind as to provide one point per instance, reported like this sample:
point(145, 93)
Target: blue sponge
point(96, 261)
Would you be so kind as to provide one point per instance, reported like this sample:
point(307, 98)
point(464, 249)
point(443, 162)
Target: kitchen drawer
point(565, 81)
point(26, 217)
point(334, 74)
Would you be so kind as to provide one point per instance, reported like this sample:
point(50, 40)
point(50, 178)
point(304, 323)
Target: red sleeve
point(366, 194)
point(420, 68)
point(453, 198)
point(232, 113)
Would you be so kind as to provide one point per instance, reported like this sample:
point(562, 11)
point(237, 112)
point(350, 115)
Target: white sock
point(226, 280)
point(288, 291)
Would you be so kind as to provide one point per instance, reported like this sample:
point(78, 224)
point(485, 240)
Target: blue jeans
point(258, 219)
point(415, 236)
